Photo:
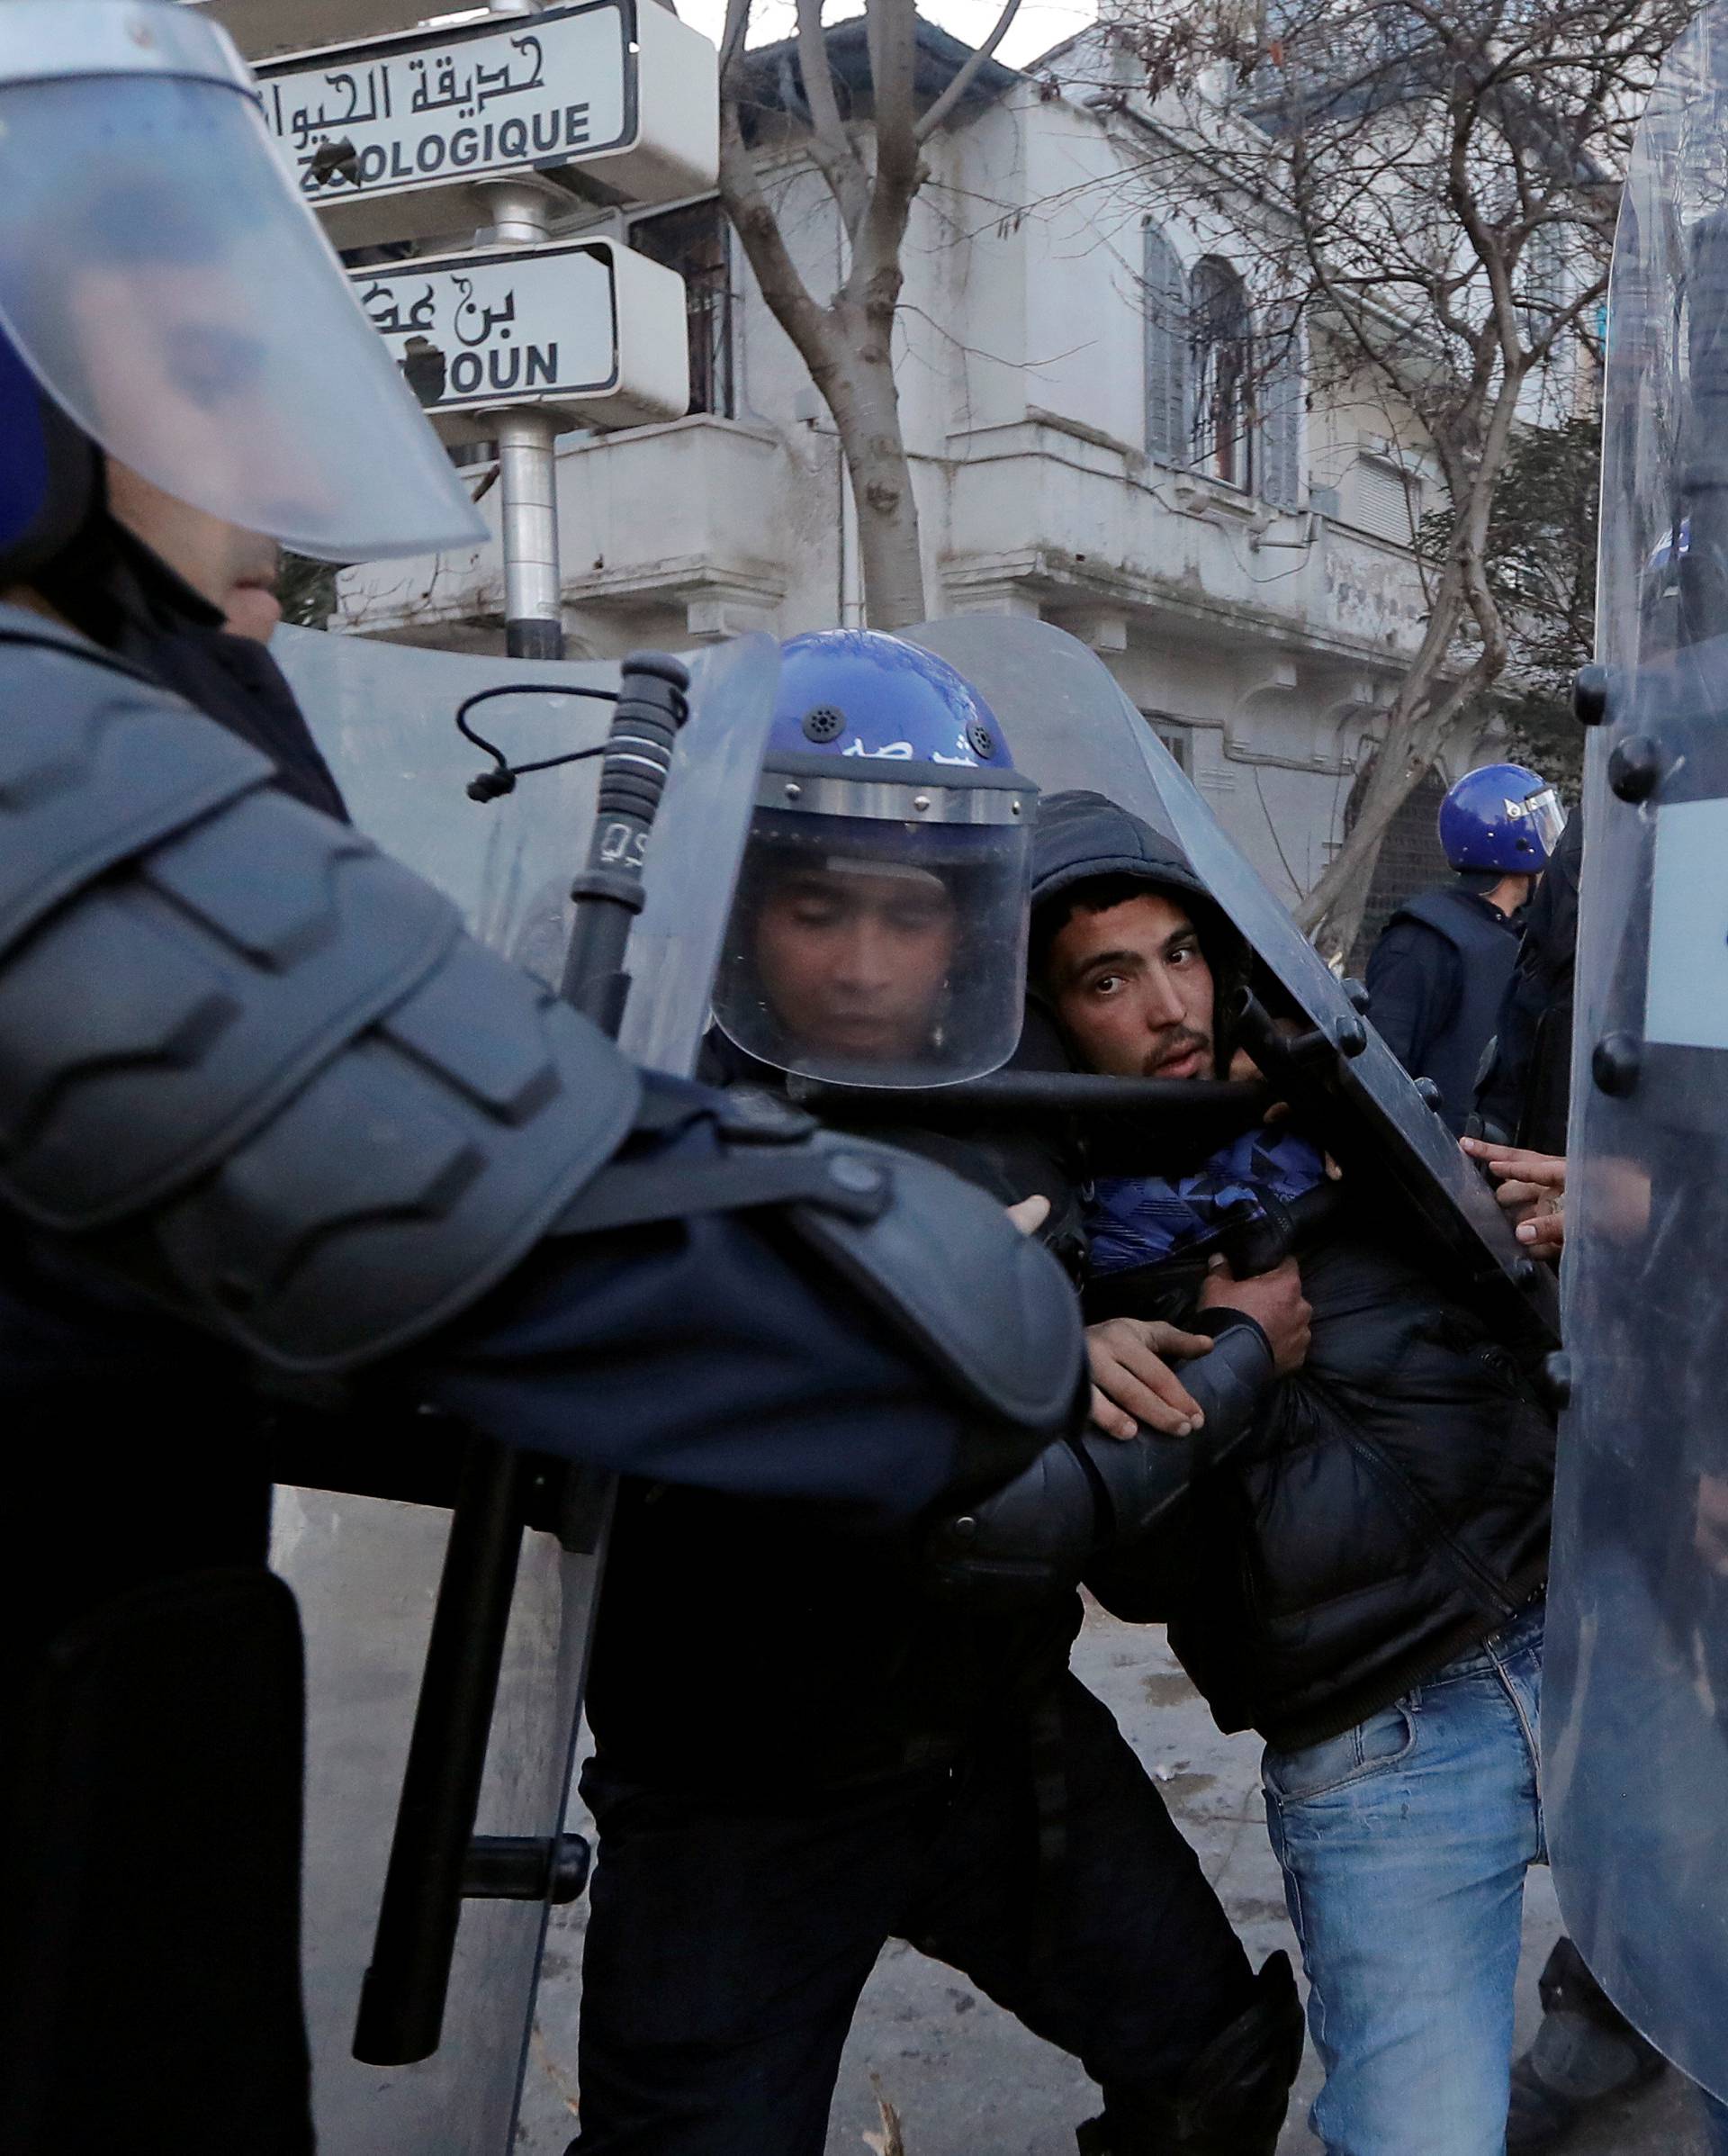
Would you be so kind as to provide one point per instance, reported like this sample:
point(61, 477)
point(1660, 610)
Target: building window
point(1220, 369)
point(694, 240)
point(1284, 398)
point(1218, 400)
point(1177, 737)
point(1380, 496)
point(1545, 277)
point(1165, 299)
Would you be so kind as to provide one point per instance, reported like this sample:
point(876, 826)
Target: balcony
point(1045, 516)
point(665, 536)
point(679, 518)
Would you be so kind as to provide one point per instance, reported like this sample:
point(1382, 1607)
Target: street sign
point(585, 327)
point(613, 100)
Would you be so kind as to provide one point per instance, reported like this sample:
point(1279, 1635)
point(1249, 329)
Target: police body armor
point(272, 1122)
point(1635, 1690)
point(254, 984)
point(1487, 956)
point(110, 766)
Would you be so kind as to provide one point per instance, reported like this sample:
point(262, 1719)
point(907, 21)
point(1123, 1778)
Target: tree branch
point(873, 283)
point(891, 31)
point(967, 74)
point(732, 42)
point(808, 325)
point(831, 147)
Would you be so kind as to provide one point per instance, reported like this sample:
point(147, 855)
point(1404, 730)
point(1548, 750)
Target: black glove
point(1086, 1494)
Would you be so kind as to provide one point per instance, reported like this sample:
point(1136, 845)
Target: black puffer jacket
point(1394, 1508)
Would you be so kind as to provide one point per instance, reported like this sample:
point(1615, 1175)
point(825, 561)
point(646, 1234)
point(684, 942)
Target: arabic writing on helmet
point(906, 753)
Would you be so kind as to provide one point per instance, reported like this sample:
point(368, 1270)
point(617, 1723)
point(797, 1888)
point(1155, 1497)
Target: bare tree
point(873, 165)
point(1540, 558)
point(1428, 188)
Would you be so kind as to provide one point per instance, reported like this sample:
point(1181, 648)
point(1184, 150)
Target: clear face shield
point(879, 935)
point(1547, 815)
point(170, 290)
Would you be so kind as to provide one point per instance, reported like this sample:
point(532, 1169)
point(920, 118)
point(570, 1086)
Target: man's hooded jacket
point(1394, 1508)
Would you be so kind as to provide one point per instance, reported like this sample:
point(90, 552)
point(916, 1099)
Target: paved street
point(964, 2080)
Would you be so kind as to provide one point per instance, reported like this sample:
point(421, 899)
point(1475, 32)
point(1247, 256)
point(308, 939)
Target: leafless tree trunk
point(1434, 690)
point(846, 338)
point(1432, 184)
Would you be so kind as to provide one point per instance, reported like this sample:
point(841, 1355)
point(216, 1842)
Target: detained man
point(805, 1750)
point(1362, 1582)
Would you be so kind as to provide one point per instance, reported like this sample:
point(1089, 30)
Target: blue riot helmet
point(1503, 817)
point(49, 476)
point(878, 933)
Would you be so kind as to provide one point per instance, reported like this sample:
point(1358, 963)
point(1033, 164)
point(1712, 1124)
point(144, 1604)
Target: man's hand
point(1532, 1190)
point(1030, 1214)
point(1273, 1300)
point(1132, 1384)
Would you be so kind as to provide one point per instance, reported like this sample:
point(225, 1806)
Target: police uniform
point(269, 1118)
point(805, 1748)
point(1525, 1091)
point(1441, 967)
point(1435, 979)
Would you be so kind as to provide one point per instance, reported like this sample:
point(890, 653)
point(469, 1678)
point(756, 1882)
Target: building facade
point(1101, 433)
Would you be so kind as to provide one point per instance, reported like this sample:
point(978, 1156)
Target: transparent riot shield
point(1073, 726)
point(1635, 1690)
point(366, 1568)
point(383, 715)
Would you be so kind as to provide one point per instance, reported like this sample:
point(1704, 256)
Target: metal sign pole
point(534, 614)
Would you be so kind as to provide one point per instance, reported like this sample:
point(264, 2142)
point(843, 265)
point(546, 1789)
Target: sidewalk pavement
point(962, 2079)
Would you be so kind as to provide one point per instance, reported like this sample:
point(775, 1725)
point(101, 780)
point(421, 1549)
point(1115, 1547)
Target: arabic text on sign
point(473, 325)
point(544, 96)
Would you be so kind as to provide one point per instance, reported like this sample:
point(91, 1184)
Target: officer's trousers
point(729, 1938)
point(150, 1711)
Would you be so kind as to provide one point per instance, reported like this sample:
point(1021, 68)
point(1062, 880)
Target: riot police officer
point(1522, 1099)
point(805, 1746)
point(1436, 976)
point(269, 1119)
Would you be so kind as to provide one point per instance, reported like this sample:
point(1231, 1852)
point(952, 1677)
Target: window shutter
point(1165, 304)
point(1281, 401)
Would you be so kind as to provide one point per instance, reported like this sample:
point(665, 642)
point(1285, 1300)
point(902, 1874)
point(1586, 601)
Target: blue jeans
point(1404, 1845)
point(1715, 2123)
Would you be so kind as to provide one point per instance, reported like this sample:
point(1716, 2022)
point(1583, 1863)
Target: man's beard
point(1175, 1047)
